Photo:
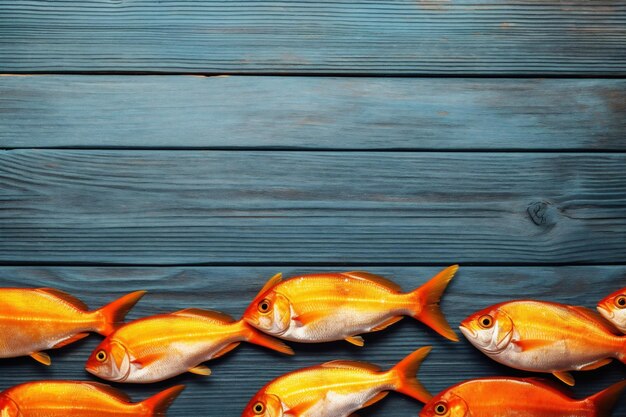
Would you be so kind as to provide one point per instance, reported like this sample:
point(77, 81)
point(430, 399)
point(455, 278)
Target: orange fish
point(45, 318)
point(336, 389)
point(516, 397)
point(613, 308)
point(338, 306)
point(80, 399)
point(544, 337)
point(163, 346)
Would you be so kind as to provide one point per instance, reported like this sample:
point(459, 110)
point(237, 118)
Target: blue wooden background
point(195, 148)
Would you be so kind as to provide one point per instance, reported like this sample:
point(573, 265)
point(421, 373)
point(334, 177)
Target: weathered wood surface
point(312, 113)
point(240, 374)
point(368, 37)
point(224, 207)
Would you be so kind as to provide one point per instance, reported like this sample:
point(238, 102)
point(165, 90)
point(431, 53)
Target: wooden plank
point(164, 207)
point(312, 113)
point(366, 37)
point(240, 374)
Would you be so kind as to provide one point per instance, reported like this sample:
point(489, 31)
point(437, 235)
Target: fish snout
point(605, 311)
point(467, 331)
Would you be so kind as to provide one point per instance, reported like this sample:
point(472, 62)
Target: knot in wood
point(542, 213)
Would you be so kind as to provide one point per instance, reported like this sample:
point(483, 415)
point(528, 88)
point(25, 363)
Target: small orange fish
point(613, 308)
point(544, 337)
point(80, 399)
point(45, 318)
point(163, 346)
point(338, 306)
point(337, 389)
point(516, 397)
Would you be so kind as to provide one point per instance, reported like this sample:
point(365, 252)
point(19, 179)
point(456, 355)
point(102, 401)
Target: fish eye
point(486, 321)
point(258, 408)
point(101, 356)
point(441, 408)
point(620, 301)
point(264, 306)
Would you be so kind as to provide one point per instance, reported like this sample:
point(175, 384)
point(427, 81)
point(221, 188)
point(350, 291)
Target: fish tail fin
point(254, 336)
point(605, 400)
point(158, 404)
point(427, 299)
point(405, 375)
point(112, 315)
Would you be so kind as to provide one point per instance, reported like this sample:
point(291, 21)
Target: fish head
point(613, 308)
point(110, 361)
point(271, 313)
point(8, 407)
point(491, 330)
point(447, 404)
point(264, 405)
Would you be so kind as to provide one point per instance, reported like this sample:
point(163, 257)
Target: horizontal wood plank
point(366, 37)
point(224, 207)
point(240, 374)
point(312, 113)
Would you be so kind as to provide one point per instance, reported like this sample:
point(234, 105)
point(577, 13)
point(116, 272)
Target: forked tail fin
point(252, 335)
point(427, 298)
point(157, 405)
point(405, 372)
point(112, 315)
point(605, 400)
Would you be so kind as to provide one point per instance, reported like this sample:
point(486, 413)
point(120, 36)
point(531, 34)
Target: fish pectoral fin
point(376, 398)
point(200, 370)
point(308, 318)
point(71, 339)
point(145, 360)
point(386, 323)
point(531, 344)
point(596, 364)
point(41, 357)
point(566, 377)
point(225, 350)
point(355, 340)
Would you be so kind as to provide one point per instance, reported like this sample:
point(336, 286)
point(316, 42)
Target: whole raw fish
point(613, 308)
point(163, 346)
point(45, 318)
point(544, 337)
point(336, 306)
point(80, 399)
point(336, 389)
point(516, 397)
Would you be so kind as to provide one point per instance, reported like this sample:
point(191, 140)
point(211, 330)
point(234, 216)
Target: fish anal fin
point(225, 350)
point(596, 365)
point(146, 360)
point(374, 278)
point(355, 340)
point(566, 377)
point(376, 398)
point(531, 344)
point(41, 357)
point(200, 370)
point(352, 365)
point(386, 323)
point(65, 297)
point(71, 339)
point(211, 315)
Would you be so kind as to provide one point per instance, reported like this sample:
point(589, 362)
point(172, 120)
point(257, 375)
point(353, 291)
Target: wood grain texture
point(223, 207)
point(239, 375)
point(365, 37)
point(312, 113)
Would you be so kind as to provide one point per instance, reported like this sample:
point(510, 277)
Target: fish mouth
point(605, 311)
point(468, 332)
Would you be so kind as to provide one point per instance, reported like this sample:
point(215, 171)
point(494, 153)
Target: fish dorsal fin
point(63, 296)
point(352, 365)
point(108, 390)
point(205, 314)
point(374, 278)
point(594, 316)
point(270, 284)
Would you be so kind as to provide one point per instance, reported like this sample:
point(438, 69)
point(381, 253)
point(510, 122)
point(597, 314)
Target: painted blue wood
point(338, 36)
point(240, 374)
point(312, 113)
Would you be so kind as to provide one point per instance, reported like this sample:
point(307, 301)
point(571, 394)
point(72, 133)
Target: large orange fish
point(340, 306)
point(45, 318)
point(163, 346)
point(544, 337)
point(613, 308)
point(336, 389)
point(80, 399)
point(515, 397)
